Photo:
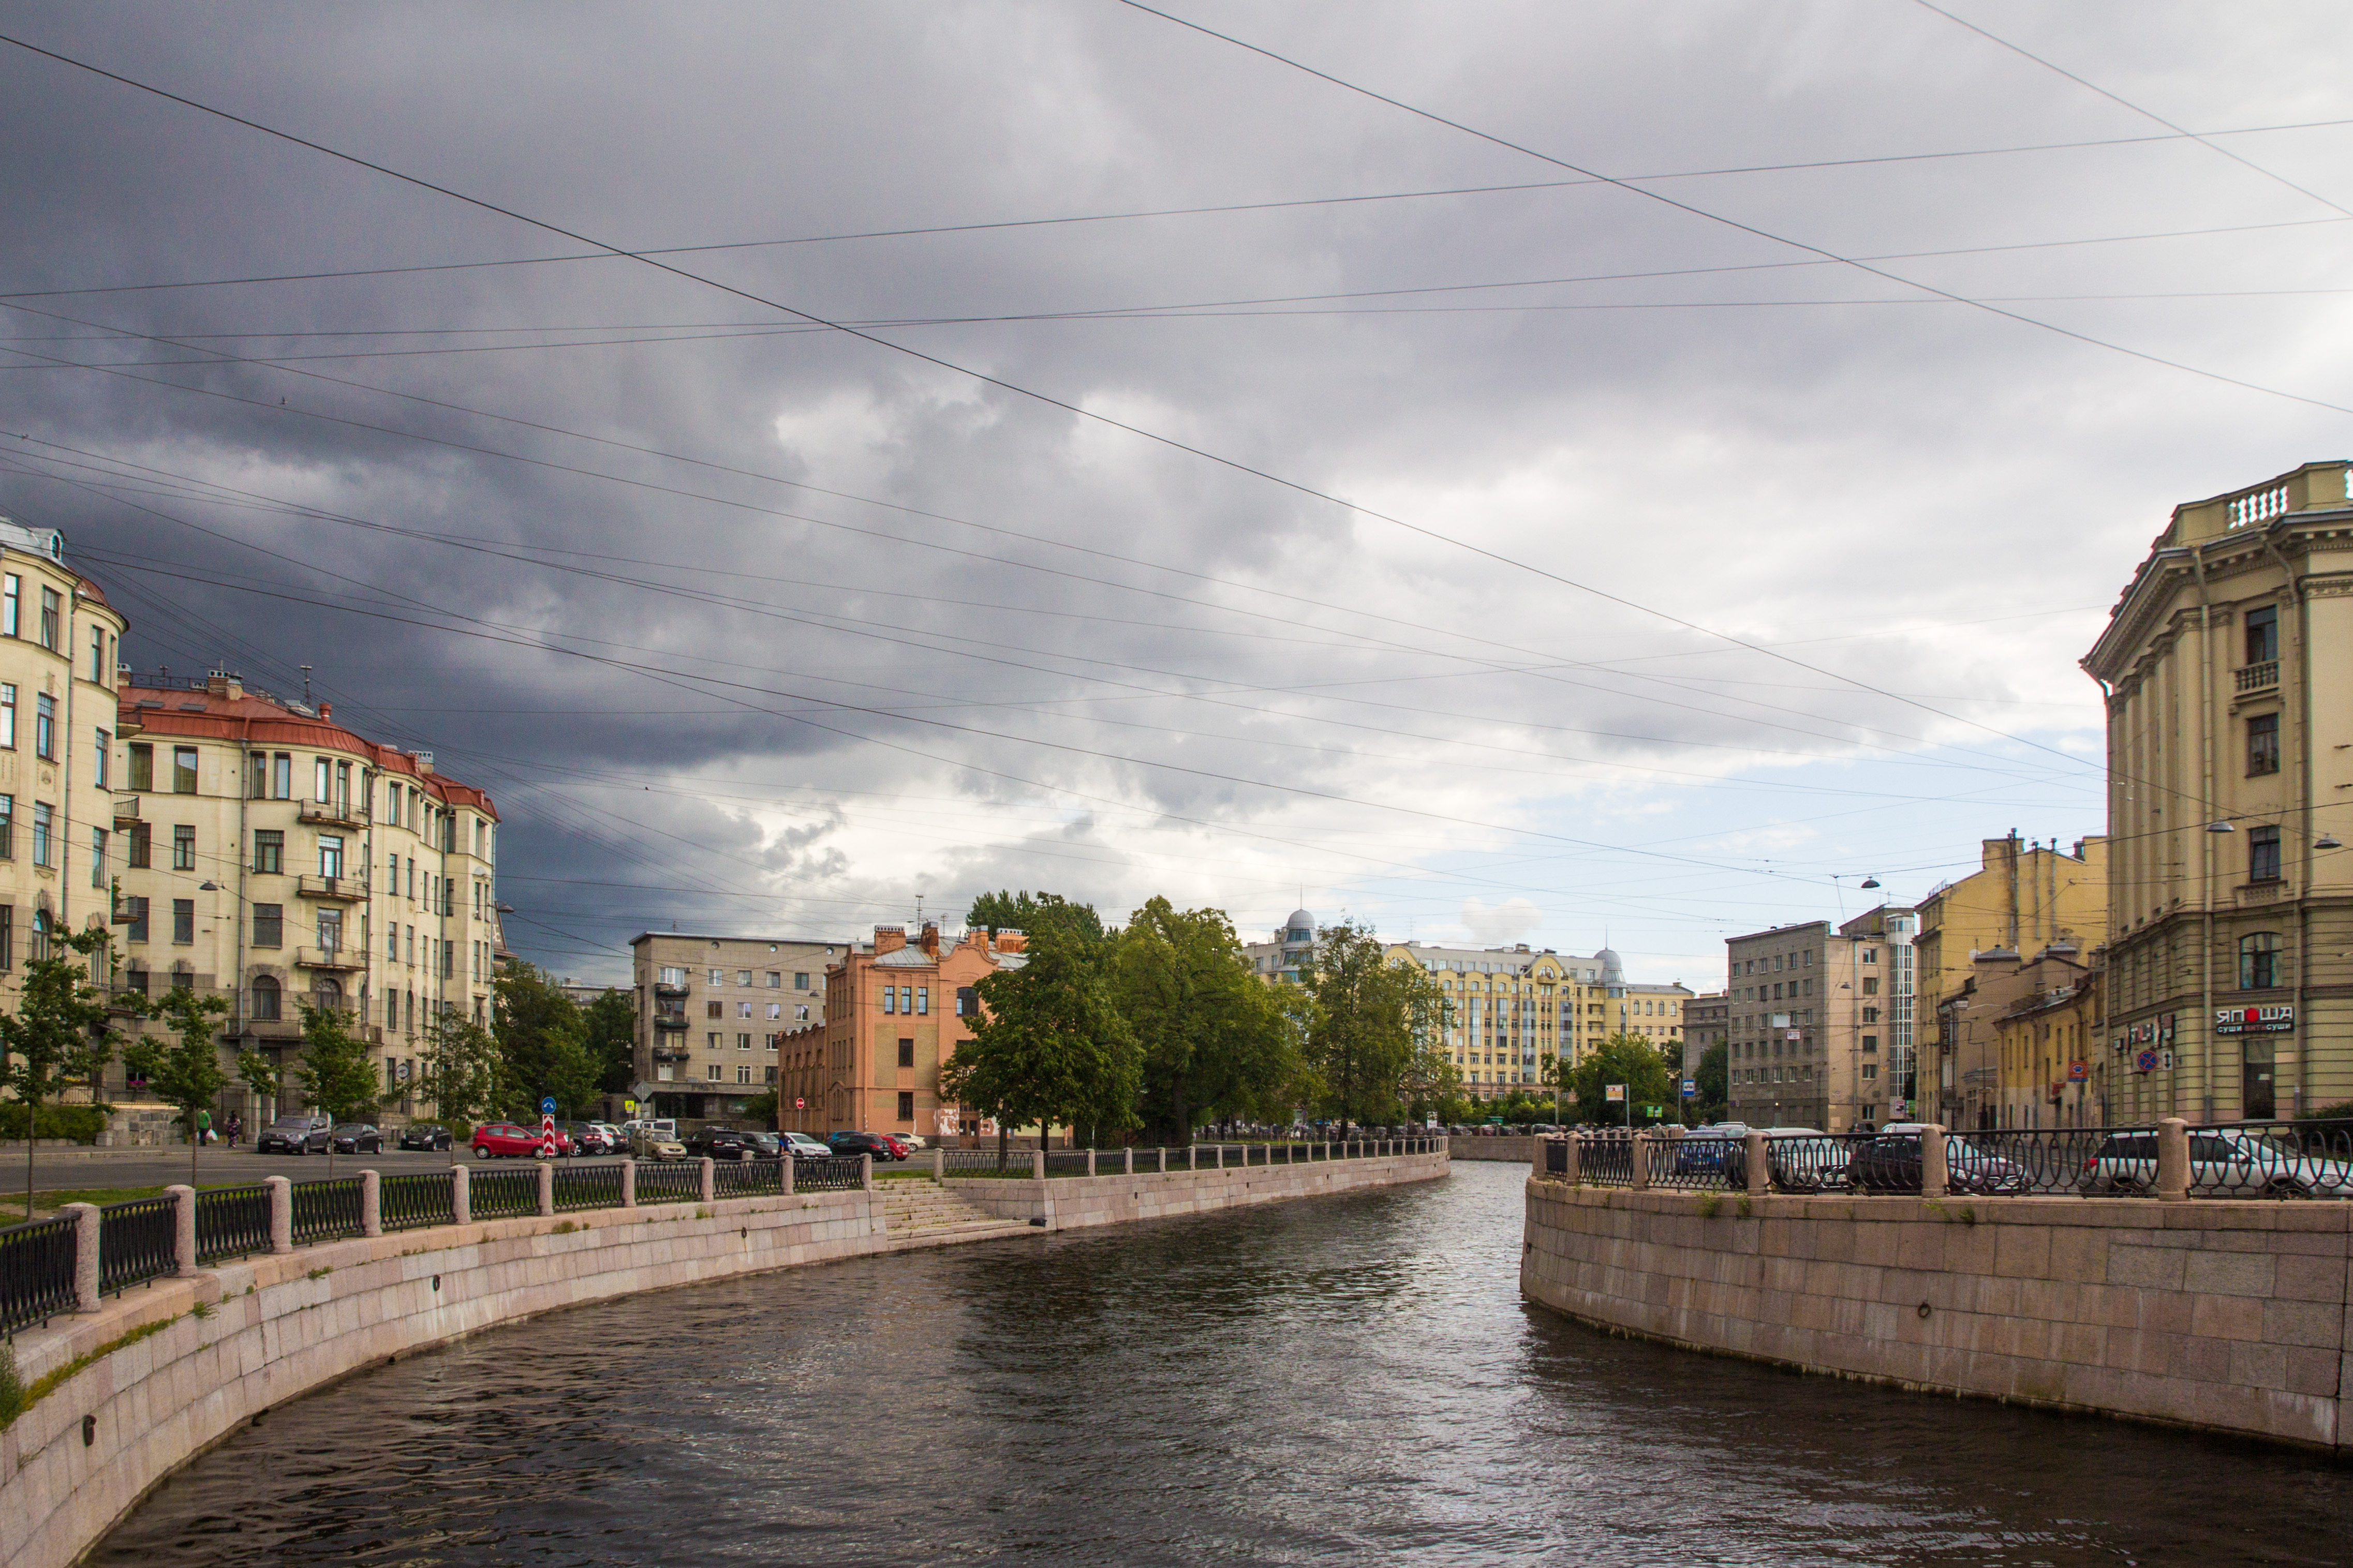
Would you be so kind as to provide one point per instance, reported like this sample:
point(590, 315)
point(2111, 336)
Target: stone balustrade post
point(1037, 1165)
point(86, 1221)
point(1759, 1162)
point(2173, 1160)
point(1164, 1159)
point(183, 1229)
point(1127, 1166)
point(939, 1164)
point(1935, 1174)
point(1536, 1165)
point(371, 1203)
point(865, 1172)
point(281, 1213)
point(1221, 1154)
point(785, 1176)
point(461, 1203)
point(630, 1181)
point(1090, 1161)
point(547, 1187)
point(1569, 1166)
point(1642, 1161)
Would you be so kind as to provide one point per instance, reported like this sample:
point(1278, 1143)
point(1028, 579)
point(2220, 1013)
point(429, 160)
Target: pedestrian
point(234, 1126)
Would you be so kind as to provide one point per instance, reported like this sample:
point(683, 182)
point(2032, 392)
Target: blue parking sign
point(547, 1106)
point(1690, 1085)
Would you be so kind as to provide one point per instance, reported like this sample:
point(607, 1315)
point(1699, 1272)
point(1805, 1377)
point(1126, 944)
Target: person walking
point(234, 1126)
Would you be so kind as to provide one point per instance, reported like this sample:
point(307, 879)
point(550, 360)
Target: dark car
point(1890, 1163)
point(295, 1135)
point(586, 1137)
point(853, 1144)
point(357, 1138)
point(424, 1135)
point(717, 1142)
point(762, 1146)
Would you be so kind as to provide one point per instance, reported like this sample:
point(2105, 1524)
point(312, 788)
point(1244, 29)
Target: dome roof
point(1613, 971)
point(1299, 917)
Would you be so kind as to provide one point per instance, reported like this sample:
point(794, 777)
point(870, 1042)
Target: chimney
point(220, 683)
point(326, 709)
point(932, 938)
point(889, 939)
point(423, 761)
point(1011, 942)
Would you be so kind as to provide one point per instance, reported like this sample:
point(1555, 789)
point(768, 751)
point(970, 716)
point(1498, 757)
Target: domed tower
point(1613, 972)
point(1298, 939)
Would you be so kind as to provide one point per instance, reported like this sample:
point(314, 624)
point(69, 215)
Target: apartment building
point(2048, 1044)
point(1289, 956)
point(1707, 1021)
point(272, 855)
point(59, 748)
point(2228, 666)
point(2023, 898)
point(1518, 1009)
point(895, 1011)
point(1820, 1022)
point(713, 1011)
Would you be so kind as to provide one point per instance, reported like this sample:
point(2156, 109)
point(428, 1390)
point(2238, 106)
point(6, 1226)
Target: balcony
point(338, 958)
point(670, 1020)
point(669, 1052)
point(664, 988)
point(343, 890)
point(2255, 678)
point(126, 810)
point(341, 814)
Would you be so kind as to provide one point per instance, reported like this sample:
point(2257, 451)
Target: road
point(58, 1169)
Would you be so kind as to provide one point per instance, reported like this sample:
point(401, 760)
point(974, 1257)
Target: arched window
point(329, 992)
point(265, 999)
point(2258, 960)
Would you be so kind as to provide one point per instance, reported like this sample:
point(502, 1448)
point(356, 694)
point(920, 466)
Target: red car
point(900, 1148)
point(512, 1139)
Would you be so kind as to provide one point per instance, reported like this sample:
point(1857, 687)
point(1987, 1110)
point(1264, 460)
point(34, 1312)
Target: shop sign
point(2278, 1018)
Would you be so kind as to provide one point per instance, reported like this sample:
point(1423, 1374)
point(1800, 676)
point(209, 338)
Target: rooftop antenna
point(306, 685)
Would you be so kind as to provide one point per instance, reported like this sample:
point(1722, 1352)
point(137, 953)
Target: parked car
point(900, 1148)
point(587, 1138)
point(512, 1139)
point(912, 1141)
point(801, 1146)
point(715, 1141)
point(1806, 1159)
point(425, 1135)
point(616, 1140)
point(856, 1144)
point(357, 1138)
point(296, 1135)
point(650, 1142)
point(761, 1145)
point(664, 1125)
point(1707, 1151)
point(2273, 1165)
point(1890, 1163)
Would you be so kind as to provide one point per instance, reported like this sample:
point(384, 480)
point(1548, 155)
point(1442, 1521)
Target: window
point(282, 776)
point(105, 760)
point(8, 936)
point(2258, 960)
point(710, 1070)
point(890, 999)
point(270, 925)
point(137, 924)
point(184, 848)
point(1871, 1015)
point(923, 1000)
point(906, 1106)
point(775, 1010)
point(44, 726)
point(184, 921)
point(97, 857)
point(968, 1002)
point(800, 980)
point(906, 999)
point(743, 1042)
point(714, 1009)
point(906, 1053)
point(670, 977)
point(2263, 744)
point(771, 1075)
point(1871, 986)
point(743, 1072)
point(2263, 635)
point(98, 654)
point(742, 1009)
point(12, 590)
point(775, 981)
point(270, 851)
point(265, 996)
point(8, 732)
point(42, 815)
point(743, 977)
point(331, 854)
point(1870, 1043)
point(330, 930)
point(184, 770)
point(719, 977)
point(49, 607)
point(2263, 855)
point(321, 776)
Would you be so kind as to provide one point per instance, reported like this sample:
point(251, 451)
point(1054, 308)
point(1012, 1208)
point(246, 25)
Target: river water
point(1351, 1378)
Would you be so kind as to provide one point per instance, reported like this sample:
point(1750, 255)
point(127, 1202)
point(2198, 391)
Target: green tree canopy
point(1050, 1046)
point(458, 1071)
point(58, 1035)
point(1713, 1079)
point(185, 1072)
point(543, 1045)
point(338, 1070)
point(1214, 1041)
point(1035, 915)
point(1633, 1061)
point(609, 1026)
point(1375, 1028)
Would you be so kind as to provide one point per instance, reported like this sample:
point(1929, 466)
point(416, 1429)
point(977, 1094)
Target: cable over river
point(1348, 1378)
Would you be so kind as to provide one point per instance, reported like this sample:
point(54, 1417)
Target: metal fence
point(984, 1163)
point(1066, 1161)
point(2273, 1160)
point(36, 1272)
point(1696, 1164)
point(232, 1222)
point(135, 1242)
point(838, 1173)
point(417, 1199)
point(748, 1178)
point(579, 1186)
point(501, 1194)
point(328, 1209)
point(672, 1183)
point(1606, 1160)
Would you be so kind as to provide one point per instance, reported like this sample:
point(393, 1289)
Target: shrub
point(82, 1123)
point(2342, 1112)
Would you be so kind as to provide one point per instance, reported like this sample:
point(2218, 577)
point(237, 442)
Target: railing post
point(548, 1185)
point(709, 1173)
point(1220, 1149)
point(462, 1205)
point(87, 1224)
point(371, 1203)
point(183, 1229)
point(1164, 1159)
point(1641, 1163)
point(1090, 1161)
point(629, 1182)
point(939, 1164)
point(1759, 1162)
point(281, 1213)
point(865, 1172)
point(1935, 1176)
point(1192, 1156)
point(1536, 1165)
point(2173, 1160)
point(1038, 1164)
point(783, 1178)
point(1569, 1174)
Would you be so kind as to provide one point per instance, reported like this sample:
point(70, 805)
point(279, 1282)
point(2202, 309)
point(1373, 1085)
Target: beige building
point(274, 856)
point(1518, 1010)
point(1707, 1021)
point(712, 1012)
point(2228, 666)
point(1820, 1023)
point(2024, 898)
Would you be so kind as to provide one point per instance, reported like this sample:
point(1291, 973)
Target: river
point(1348, 1378)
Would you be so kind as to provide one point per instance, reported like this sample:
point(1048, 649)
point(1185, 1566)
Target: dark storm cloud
point(829, 704)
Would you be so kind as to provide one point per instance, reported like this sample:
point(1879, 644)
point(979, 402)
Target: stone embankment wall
point(165, 1371)
point(1070, 1203)
point(1517, 1150)
point(2226, 1316)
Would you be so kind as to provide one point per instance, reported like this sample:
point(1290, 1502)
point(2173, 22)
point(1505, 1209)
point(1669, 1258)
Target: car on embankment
point(356, 1138)
point(295, 1135)
point(801, 1146)
point(425, 1135)
point(648, 1141)
point(513, 1141)
point(853, 1143)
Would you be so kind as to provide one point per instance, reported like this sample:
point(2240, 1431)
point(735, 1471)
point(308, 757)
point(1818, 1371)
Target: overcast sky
point(1554, 559)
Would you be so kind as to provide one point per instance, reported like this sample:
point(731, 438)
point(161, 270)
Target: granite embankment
point(129, 1393)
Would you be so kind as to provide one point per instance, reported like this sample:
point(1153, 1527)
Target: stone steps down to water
point(917, 1206)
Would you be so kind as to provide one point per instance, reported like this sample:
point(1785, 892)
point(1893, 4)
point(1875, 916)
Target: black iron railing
point(2271, 1160)
point(984, 1162)
point(748, 1178)
point(579, 1186)
point(36, 1272)
point(232, 1222)
point(1697, 1164)
point(501, 1194)
point(836, 1173)
point(417, 1199)
point(676, 1183)
point(326, 1210)
point(135, 1241)
point(1066, 1161)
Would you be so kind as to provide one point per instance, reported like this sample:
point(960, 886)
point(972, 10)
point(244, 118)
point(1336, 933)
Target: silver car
point(2224, 1162)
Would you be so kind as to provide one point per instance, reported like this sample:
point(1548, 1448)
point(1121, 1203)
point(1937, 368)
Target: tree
point(1033, 915)
point(1213, 1040)
point(542, 1041)
point(338, 1072)
point(59, 1034)
point(1633, 1061)
point(1712, 1081)
point(458, 1071)
point(610, 1029)
point(1049, 1045)
point(761, 1109)
point(1373, 1019)
point(186, 1073)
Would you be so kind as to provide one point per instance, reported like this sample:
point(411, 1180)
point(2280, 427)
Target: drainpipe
point(2206, 844)
point(2300, 809)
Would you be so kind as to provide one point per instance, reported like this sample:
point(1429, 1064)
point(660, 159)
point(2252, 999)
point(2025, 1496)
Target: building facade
point(2024, 898)
point(712, 1013)
point(1514, 1011)
point(272, 855)
point(1707, 1021)
point(2054, 1071)
point(1820, 1026)
point(2228, 668)
point(1289, 956)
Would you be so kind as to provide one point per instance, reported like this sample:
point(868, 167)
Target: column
point(785, 1176)
point(1038, 1164)
point(1090, 1161)
point(865, 1174)
point(461, 1206)
point(1642, 1161)
point(1128, 1165)
point(1759, 1164)
point(86, 1221)
point(629, 1182)
point(2173, 1160)
point(939, 1164)
point(183, 1229)
point(708, 1170)
point(371, 1203)
point(281, 1213)
point(1934, 1175)
point(547, 1187)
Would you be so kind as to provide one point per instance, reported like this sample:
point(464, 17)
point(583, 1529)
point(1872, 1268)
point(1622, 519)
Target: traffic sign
point(1690, 1085)
point(547, 1106)
point(1614, 1092)
point(2145, 1060)
point(799, 1104)
point(547, 1129)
